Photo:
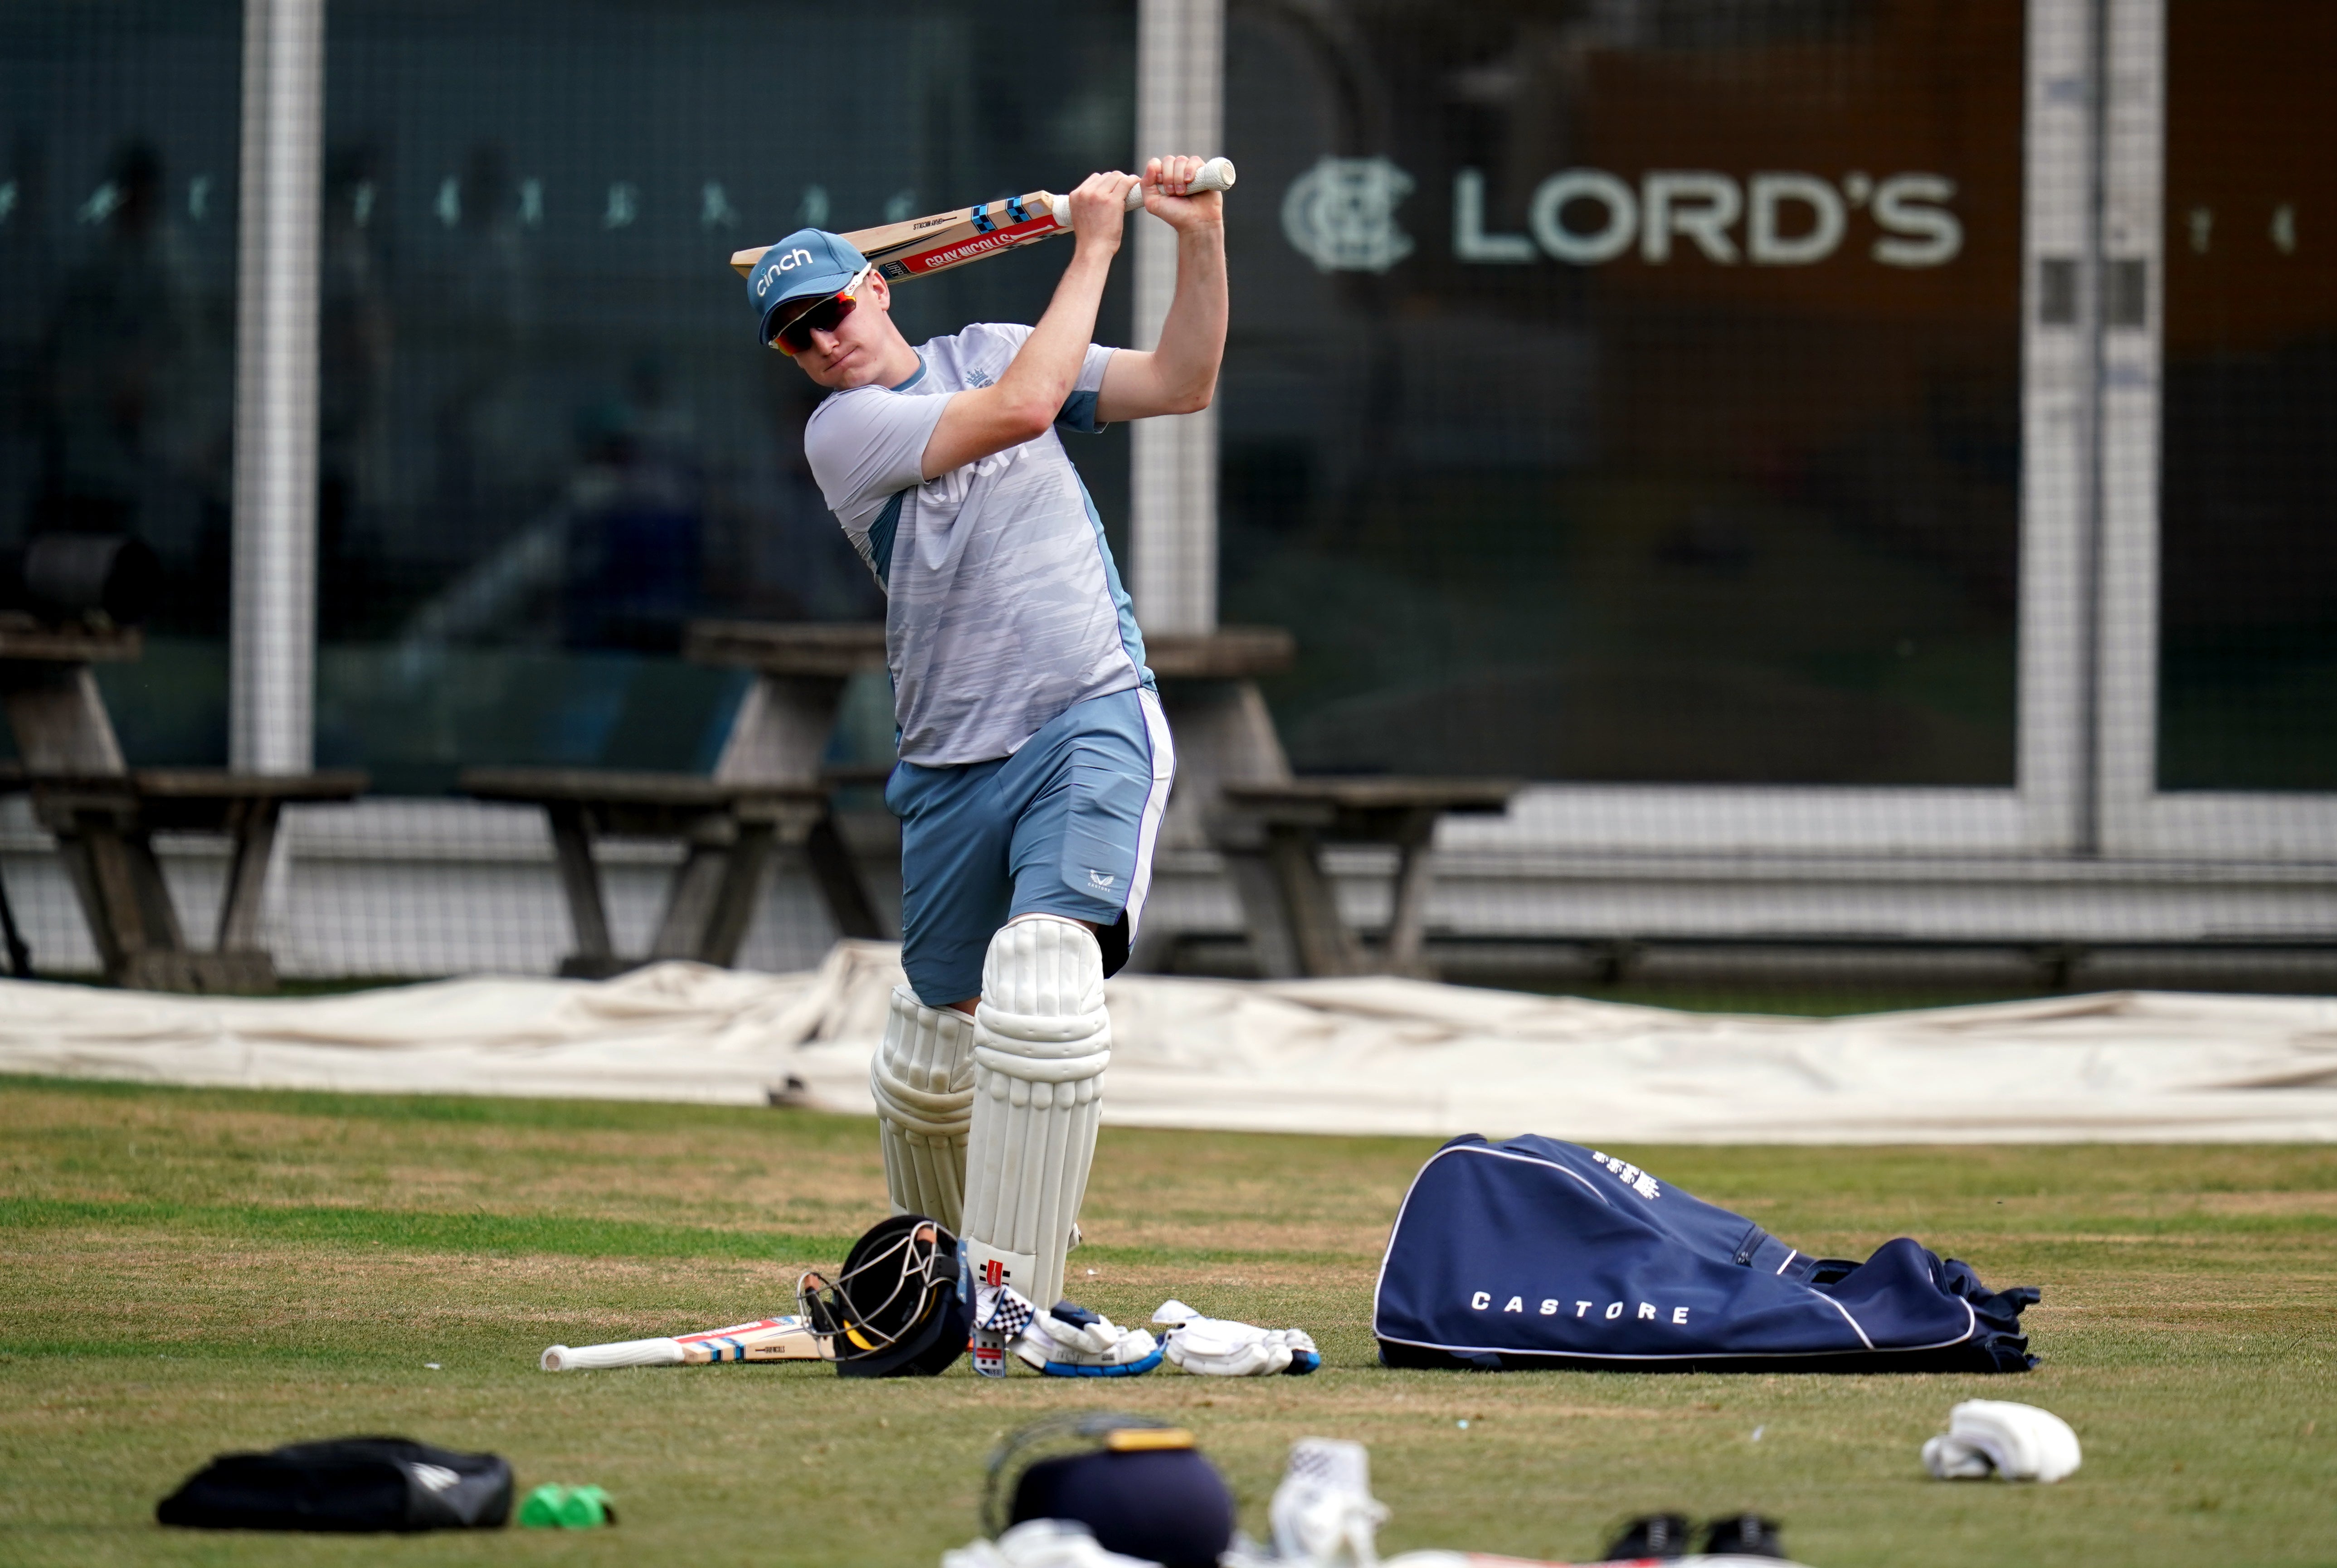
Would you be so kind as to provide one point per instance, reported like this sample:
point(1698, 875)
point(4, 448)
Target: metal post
point(2093, 522)
point(1173, 529)
point(274, 612)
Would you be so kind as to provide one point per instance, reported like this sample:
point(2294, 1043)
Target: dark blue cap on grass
point(808, 262)
point(1165, 1505)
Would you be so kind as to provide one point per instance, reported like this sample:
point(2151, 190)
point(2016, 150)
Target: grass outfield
point(191, 1270)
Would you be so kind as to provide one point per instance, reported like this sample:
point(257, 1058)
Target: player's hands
point(1165, 197)
point(1100, 210)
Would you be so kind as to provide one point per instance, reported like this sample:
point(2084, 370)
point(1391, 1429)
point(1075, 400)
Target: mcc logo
point(1341, 214)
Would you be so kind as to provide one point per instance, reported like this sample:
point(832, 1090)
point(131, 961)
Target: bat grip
point(624, 1353)
point(1216, 174)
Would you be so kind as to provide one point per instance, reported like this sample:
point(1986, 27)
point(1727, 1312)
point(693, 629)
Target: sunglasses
point(824, 315)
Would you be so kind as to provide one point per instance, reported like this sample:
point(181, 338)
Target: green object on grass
point(552, 1506)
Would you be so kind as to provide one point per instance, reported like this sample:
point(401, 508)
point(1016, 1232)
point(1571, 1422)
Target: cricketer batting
point(1034, 762)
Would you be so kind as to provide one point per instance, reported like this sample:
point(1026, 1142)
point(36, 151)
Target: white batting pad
point(1042, 1041)
point(922, 1078)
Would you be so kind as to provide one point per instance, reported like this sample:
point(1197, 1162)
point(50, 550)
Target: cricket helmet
point(1138, 1484)
point(892, 1309)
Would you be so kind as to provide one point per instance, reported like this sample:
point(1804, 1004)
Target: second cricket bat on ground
point(765, 1340)
point(941, 240)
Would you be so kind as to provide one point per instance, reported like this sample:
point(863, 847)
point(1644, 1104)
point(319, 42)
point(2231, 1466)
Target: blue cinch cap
point(807, 262)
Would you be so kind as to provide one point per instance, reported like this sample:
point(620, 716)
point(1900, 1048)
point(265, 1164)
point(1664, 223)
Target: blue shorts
point(1065, 826)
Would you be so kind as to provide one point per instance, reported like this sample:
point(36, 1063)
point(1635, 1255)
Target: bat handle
point(1216, 174)
point(623, 1353)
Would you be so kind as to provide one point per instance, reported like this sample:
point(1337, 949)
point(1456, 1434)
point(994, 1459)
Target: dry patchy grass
point(191, 1270)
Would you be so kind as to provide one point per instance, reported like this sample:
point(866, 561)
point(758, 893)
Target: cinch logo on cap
point(794, 259)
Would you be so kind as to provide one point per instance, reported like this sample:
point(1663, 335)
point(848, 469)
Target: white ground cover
point(1354, 1055)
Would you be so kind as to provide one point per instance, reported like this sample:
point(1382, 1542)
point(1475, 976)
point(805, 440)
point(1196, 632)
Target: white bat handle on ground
point(623, 1353)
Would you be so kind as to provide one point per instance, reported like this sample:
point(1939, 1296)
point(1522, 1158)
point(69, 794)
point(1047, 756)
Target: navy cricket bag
point(1538, 1253)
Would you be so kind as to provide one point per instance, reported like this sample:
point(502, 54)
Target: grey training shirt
point(1005, 607)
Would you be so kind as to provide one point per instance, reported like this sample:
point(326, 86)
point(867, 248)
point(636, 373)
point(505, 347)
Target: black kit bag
point(1538, 1253)
point(345, 1484)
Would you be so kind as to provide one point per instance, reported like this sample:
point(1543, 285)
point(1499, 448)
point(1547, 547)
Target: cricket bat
point(765, 1340)
point(941, 240)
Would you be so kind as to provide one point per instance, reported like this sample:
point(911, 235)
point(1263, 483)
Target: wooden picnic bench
point(103, 815)
point(1223, 730)
point(801, 668)
point(769, 792)
point(730, 830)
point(1271, 833)
point(104, 825)
point(1208, 690)
point(1235, 791)
point(1236, 795)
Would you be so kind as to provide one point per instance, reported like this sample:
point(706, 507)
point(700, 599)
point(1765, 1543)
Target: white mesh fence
point(1863, 466)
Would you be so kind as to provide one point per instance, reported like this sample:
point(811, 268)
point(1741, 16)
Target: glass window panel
point(2248, 555)
point(1629, 389)
point(117, 323)
point(549, 438)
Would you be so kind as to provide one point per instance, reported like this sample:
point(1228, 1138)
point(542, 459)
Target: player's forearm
point(1193, 337)
point(1179, 374)
point(1028, 396)
point(1047, 367)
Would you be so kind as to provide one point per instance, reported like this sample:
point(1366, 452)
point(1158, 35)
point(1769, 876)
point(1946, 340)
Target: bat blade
point(942, 229)
point(786, 1338)
point(941, 240)
point(955, 247)
point(789, 1339)
point(935, 230)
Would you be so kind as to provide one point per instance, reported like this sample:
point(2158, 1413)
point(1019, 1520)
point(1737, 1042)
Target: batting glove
point(2018, 1442)
point(1072, 1342)
point(1039, 1543)
point(1222, 1348)
point(1324, 1513)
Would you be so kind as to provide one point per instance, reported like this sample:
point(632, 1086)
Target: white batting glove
point(1072, 1342)
point(1039, 1543)
point(1324, 1514)
point(1223, 1347)
point(1996, 1437)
